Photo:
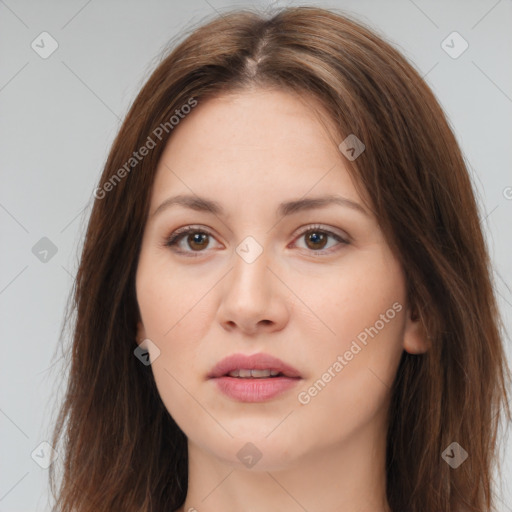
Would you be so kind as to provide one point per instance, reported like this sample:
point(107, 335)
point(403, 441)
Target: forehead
point(254, 143)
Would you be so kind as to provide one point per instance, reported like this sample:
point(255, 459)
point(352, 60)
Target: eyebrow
point(201, 204)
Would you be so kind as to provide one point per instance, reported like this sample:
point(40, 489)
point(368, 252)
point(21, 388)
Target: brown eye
point(316, 239)
point(197, 241)
point(191, 240)
point(320, 241)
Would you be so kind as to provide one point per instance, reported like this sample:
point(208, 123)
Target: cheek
point(356, 362)
point(360, 300)
point(175, 317)
point(173, 305)
point(176, 334)
point(350, 387)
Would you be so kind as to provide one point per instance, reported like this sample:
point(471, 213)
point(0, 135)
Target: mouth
point(254, 374)
point(255, 366)
point(254, 378)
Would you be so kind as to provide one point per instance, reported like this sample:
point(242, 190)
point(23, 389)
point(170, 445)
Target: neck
point(349, 476)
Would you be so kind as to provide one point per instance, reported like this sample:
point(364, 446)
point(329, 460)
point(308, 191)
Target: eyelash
point(173, 240)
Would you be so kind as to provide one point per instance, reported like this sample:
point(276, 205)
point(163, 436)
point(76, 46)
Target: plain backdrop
point(59, 116)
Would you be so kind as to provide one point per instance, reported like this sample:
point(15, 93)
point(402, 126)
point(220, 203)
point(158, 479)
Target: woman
point(284, 297)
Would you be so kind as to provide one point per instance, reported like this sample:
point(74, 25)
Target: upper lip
point(252, 362)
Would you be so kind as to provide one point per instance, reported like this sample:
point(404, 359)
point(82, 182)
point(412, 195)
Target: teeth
point(257, 374)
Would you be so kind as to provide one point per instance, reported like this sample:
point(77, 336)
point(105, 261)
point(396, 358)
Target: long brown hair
point(122, 450)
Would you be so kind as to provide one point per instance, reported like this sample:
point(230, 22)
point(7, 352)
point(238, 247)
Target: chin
point(252, 447)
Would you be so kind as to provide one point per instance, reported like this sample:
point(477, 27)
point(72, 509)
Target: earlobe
point(415, 340)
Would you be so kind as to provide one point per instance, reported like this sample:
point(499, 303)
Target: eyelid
point(177, 235)
point(172, 240)
point(312, 227)
point(342, 240)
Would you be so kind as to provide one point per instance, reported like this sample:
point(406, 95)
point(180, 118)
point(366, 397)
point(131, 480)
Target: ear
point(416, 340)
point(141, 335)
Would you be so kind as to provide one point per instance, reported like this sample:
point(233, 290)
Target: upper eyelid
point(178, 234)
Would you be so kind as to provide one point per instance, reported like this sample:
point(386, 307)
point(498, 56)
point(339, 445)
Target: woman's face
point(266, 270)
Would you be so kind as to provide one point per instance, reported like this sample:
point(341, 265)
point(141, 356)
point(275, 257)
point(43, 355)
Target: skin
point(250, 151)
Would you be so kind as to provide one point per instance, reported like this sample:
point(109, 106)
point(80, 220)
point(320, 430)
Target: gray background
point(59, 116)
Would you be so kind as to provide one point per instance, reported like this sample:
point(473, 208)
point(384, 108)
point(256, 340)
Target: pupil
point(317, 238)
point(197, 238)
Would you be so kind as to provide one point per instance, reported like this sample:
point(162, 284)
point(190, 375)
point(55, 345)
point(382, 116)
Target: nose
point(253, 298)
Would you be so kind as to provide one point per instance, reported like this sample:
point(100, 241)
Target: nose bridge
point(250, 295)
point(250, 273)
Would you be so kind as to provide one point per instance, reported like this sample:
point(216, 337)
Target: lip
point(259, 361)
point(253, 389)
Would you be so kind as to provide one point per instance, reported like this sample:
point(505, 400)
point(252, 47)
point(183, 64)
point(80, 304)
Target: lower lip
point(254, 390)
